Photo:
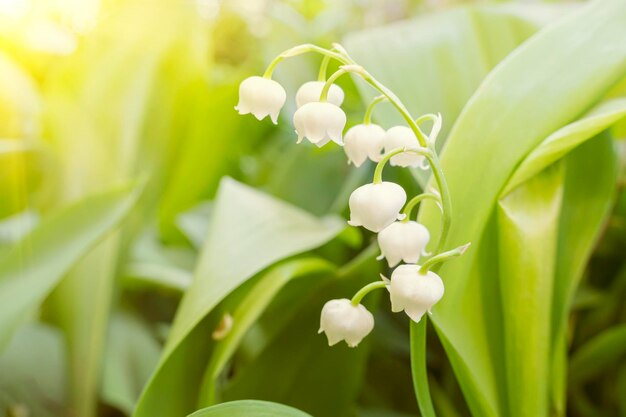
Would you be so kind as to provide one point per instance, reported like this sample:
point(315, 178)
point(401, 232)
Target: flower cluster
point(380, 206)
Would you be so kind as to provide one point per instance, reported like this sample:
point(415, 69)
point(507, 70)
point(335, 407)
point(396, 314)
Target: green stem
point(419, 367)
point(443, 257)
point(425, 117)
point(367, 119)
point(378, 172)
point(446, 204)
point(356, 300)
point(323, 68)
point(393, 99)
point(303, 49)
point(415, 200)
point(324, 94)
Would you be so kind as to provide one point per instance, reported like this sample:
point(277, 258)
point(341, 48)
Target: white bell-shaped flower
point(311, 91)
point(402, 137)
point(376, 206)
point(403, 241)
point(342, 320)
point(320, 122)
point(414, 292)
point(262, 97)
point(364, 141)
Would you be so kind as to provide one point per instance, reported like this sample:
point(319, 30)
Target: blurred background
point(94, 94)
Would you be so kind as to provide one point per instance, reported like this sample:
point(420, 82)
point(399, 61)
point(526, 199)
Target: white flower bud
point(341, 320)
point(261, 97)
point(364, 141)
point(320, 123)
point(402, 137)
point(376, 206)
point(311, 91)
point(413, 292)
point(403, 241)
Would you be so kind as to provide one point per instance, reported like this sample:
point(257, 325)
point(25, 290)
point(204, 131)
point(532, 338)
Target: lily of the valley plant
point(380, 206)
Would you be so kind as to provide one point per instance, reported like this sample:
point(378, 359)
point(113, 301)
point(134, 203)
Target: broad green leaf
point(239, 246)
point(565, 139)
point(151, 263)
point(194, 223)
point(597, 355)
point(513, 111)
point(132, 80)
point(32, 372)
point(131, 354)
point(37, 263)
point(587, 203)
point(278, 372)
point(249, 232)
point(432, 47)
point(249, 408)
point(528, 236)
point(216, 136)
point(249, 309)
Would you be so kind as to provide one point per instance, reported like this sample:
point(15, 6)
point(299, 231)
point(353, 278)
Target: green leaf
point(131, 354)
point(248, 310)
point(194, 223)
point(473, 39)
point(509, 116)
point(567, 138)
point(37, 263)
point(133, 80)
point(528, 236)
point(249, 232)
point(316, 378)
point(153, 264)
point(32, 371)
point(598, 355)
point(587, 203)
point(249, 408)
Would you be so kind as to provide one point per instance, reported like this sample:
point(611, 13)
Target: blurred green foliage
point(120, 92)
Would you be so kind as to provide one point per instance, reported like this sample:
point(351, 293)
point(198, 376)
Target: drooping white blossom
point(364, 141)
point(402, 137)
point(341, 320)
point(262, 97)
point(414, 292)
point(320, 122)
point(403, 241)
point(377, 205)
point(311, 91)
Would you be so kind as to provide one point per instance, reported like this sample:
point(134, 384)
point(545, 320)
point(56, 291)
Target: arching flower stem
point(415, 201)
point(356, 300)
point(341, 71)
point(324, 68)
point(378, 172)
point(443, 257)
point(367, 119)
point(303, 49)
